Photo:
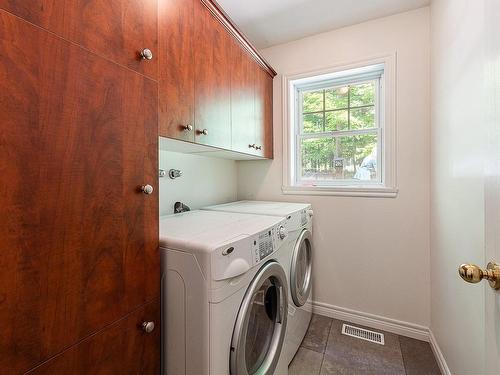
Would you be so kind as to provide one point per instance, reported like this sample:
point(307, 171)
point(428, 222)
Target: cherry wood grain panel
point(243, 119)
point(123, 348)
point(264, 112)
point(176, 57)
point(212, 45)
point(79, 242)
point(115, 29)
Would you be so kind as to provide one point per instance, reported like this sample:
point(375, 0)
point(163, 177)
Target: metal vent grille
point(363, 334)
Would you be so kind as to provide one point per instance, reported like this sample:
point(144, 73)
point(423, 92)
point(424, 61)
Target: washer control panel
point(267, 242)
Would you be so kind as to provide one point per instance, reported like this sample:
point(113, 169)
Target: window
point(340, 132)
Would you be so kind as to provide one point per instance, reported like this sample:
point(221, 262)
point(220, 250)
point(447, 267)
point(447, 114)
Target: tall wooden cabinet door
point(212, 80)
point(176, 59)
point(123, 348)
point(243, 119)
point(264, 112)
point(116, 29)
point(78, 237)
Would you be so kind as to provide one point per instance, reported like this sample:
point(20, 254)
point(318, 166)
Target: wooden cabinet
point(79, 239)
point(243, 95)
point(264, 113)
point(176, 66)
point(212, 64)
point(212, 79)
point(122, 348)
point(115, 29)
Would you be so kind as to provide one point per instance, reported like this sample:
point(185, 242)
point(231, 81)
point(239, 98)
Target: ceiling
point(270, 22)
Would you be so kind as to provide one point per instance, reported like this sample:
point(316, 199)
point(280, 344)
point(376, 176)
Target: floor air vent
point(363, 334)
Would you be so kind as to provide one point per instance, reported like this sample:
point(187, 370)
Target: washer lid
point(205, 231)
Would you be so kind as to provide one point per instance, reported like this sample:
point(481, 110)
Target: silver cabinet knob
point(204, 132)
point(146, 54)
point(147, 189)
point(252, 146)
point(187, 128)
point(148, 327)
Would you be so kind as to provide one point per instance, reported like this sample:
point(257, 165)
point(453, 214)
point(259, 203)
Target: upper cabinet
point(124, 31)
point(214, 88)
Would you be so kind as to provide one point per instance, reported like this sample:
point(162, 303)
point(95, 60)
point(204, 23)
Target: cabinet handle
point(146, 54)
point(252, 146)
point(148, 327)
point(147, 189)
point(258, 147)
point(187, 128)
point(204, 132)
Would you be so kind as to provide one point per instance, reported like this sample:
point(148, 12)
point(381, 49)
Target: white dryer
point(299, 248)
point(224, 293)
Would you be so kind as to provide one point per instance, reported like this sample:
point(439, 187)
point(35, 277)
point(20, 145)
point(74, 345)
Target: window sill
point(344, 191)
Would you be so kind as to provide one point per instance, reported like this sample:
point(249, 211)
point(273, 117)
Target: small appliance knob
point(310, 212)
point(282, 232)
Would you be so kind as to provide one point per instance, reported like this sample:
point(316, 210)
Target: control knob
point(282, 232)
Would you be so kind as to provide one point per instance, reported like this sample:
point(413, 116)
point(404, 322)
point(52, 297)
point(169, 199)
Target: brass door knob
point(474, 274)
point(148, 327)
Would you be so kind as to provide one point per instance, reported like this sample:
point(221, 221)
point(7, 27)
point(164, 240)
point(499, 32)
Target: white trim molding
point(395, 326)
point(373, 321)
point(443, 366)
point(388, 187)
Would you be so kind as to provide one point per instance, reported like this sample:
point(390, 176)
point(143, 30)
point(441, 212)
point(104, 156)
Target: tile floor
point(325, 351)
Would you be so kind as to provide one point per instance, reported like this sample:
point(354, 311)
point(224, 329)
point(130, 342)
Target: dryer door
point(261, 323)
point(300, 272)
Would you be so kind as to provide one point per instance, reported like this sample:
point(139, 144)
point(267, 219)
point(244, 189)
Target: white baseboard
point(373, 321)
point(398, 327)
point(443, 366)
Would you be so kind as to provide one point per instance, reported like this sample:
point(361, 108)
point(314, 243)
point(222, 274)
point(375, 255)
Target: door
point(492, 182)
point(263, 112)
point(261, 323)
point(126, 347)
point(116, 29)
point(176, 70)
point(243, 119)
point(466, 184)
point(212, 66)
point(300, 270)
point(78, 237)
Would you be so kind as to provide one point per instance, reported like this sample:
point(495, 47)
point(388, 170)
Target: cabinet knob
point(147, 189)
point(252, 146)
point(204, 132)
point(146, 54)
point(258, 147)
point(148, 327)
point(187, 128)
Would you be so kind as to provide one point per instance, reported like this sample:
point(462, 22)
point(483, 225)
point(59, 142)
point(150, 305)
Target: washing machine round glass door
point(300, 271)
point(261, 323)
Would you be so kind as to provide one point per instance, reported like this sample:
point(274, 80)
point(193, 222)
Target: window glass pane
point(313, 123)
point(337, 98)
point(336, 120)
point(312, 101)
point(362, 118)
point(362, 94)
point(341, 158)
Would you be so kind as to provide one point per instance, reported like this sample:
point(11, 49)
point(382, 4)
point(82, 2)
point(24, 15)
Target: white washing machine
point(224, 293)
point(299, 248)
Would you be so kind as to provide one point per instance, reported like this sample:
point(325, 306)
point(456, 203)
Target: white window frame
point(386, 117)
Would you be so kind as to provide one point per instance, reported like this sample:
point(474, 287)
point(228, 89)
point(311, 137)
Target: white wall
point(457, 195)
point(205, 180)
point(371, 254)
